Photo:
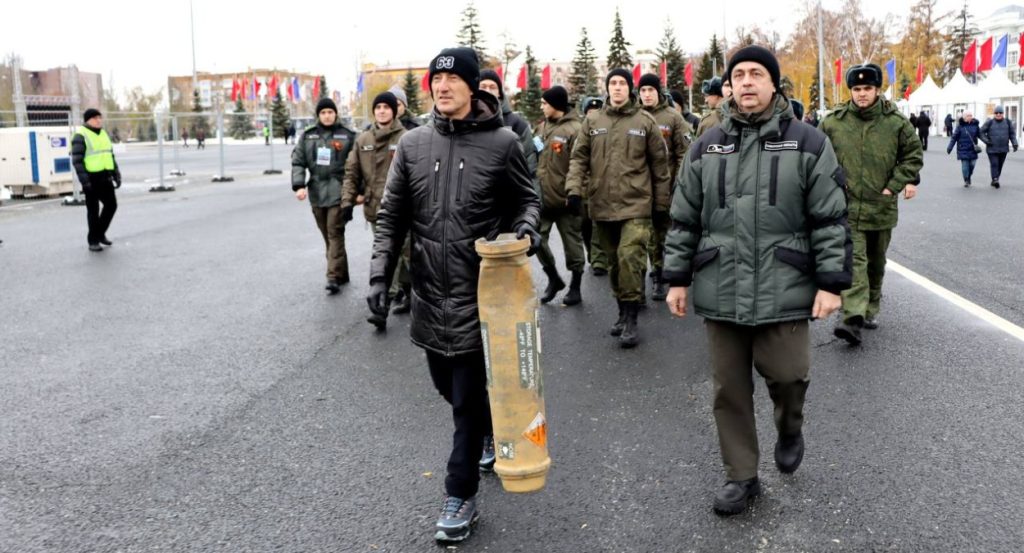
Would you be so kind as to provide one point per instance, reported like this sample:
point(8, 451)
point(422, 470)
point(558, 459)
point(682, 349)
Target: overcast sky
point(141, 43)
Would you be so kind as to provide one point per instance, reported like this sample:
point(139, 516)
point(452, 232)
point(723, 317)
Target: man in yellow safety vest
point(93, 156)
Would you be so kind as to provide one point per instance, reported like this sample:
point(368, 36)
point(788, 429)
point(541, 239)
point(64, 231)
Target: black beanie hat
point(761, 55)
point(90, 113)
point(557, 97)
point(650, 79)
point(490, 75)
point(677, 98)
point(711, 87)
point(798, 108)
point(389, 99)
point(326, 103)
point(462, 61)
point(620, 72)
point(868, 74)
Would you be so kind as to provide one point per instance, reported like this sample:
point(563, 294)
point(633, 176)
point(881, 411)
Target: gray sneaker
point(457, 519)
point(487, 458)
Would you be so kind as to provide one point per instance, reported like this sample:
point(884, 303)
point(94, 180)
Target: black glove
point(346, 214)
point(86, 187)
point(377, 299)
point(1015, 147)
point(523, 230)
point(117, 181)
point(575, 205)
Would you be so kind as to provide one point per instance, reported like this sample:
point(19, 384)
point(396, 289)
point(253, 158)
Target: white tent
point(927, 95)
point(958, 94)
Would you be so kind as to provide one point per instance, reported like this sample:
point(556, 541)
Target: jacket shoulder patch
point(777, 146)
point(721, 148)
point(595, 132)
point(636, 132)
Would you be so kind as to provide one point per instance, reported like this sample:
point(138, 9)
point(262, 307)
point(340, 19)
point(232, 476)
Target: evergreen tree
point(786, 84)
point(411, 87)
point(671, 55)
point(470, 34)
point(583, 76)
point(279, 116)
point(199, 122)
point(323, 88)
point(814, 92)
point(528, 101)
point(618, 53)
point(961, 34)
point(241, 126)
point(708, 66)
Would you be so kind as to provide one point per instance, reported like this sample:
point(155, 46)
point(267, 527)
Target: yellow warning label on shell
point(537, 432)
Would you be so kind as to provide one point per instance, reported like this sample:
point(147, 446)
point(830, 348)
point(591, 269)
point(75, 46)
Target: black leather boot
point(789, 452)
point(555, 284)
point(574, 297)
point(732, 498)
point(630, 333)
point(619, 324)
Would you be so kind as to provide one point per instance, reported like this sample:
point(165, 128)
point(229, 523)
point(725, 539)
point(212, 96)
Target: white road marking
point(968, 306)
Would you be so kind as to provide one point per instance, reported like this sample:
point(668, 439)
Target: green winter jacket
point(759, 220)
point(675, 130)
point(878, 149)
point(559, 137)
point(325, 178)
point(620, 164)
point(366, 170)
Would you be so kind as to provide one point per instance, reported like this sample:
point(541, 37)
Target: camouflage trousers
point(656, 248)
point(572, 240)
point(595, 255)
point(625, 243)
point(864, 298)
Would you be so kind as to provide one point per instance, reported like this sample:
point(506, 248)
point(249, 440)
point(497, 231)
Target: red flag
point(234, 89)
point(839, 71)
point(1020, 59)
point(521, 80)
point(259, 85)
point(636, 74)
point(970, 64)
point(986, 56)
point(316, 87)
point(920, 73)
point(545, 77)
point(663, 73)
point(425, 83)
point(906, 93)
point(688, 72)
point(291, 90)
point(272, 86)
point(500, 70)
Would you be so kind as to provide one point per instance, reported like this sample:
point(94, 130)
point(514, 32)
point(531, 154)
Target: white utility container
point(36, 161)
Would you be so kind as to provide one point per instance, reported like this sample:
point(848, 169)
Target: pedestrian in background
point(924, 128)
point(965, 140)
point(998, 134)
point(92, 155)
point(948, 123)
point(184, 137)
point(200, 139)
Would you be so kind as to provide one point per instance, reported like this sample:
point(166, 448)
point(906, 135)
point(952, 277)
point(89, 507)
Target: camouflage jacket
point(676, 132)
point(878, 149)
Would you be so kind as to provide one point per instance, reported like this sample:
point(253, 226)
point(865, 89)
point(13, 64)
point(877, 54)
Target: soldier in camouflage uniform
point(676, 132)
point(716, 95)
point(881, 155)
point(595, 255)
point(620, 164)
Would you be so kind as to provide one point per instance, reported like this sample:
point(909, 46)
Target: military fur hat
point(868, 74)
point(712, 87)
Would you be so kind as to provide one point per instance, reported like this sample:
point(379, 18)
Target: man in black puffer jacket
point(457, 179)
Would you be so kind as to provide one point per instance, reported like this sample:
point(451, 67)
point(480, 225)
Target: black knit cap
point(557, 97)
point(619, 72)
point(868, 74)
point(491, 75)
point(326, 103)
point(678, 98)
point(462, 61)
point(90, 113)
point(711, 87)
point(798, 108)
point(759, 55)
point(650, 79)
point(387, 98)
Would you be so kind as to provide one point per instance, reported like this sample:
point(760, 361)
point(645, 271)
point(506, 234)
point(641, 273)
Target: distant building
point(1005, 21)
point(48, 96)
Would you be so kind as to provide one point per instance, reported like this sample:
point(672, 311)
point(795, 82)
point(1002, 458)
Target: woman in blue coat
point(965, 140)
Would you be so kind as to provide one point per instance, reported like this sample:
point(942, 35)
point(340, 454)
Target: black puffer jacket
point(450, 183)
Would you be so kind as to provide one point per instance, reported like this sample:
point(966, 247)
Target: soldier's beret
point(868, 74)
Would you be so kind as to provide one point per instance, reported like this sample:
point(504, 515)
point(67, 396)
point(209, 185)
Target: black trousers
point(924, 140)
point(462, 381)
point(995, 163)
point(102, 192)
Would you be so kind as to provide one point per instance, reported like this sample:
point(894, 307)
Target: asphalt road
point(192, 389)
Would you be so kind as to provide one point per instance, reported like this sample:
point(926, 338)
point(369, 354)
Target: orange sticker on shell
point(537, 432)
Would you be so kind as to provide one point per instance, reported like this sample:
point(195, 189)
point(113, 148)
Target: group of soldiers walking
point(766, 222)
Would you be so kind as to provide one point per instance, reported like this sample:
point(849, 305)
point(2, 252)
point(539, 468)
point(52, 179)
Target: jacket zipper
point(458, 188)
point(437, 169)
point(444, 237)
point(721, 183)
point(757, 258)
point(773, 183)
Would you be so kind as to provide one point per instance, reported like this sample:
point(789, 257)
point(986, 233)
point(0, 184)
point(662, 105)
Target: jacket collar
point(767, 123)
point(485, 114)
point(382, 133)
point(629, 108)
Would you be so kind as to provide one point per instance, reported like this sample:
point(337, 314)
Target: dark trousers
point(462, 381)
point(102, 192)
point(924, 139)
point(332, 228)
point(995, 162)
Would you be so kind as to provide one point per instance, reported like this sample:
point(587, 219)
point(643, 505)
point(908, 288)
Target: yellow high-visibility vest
point(99, 151)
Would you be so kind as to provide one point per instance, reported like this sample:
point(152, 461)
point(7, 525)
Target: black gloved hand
point(1015, 147)
point(117, 181)
point(346, 214)
point(86, 187)
point(525, 229)
point(377, 299)
point(575, 204)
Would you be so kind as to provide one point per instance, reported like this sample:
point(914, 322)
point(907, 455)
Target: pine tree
point(241, 123)
point(671, 55)
point(583, 76)
point(528, 101)
point(618, 53)
point(199, 122)
point(279, 116)
point(323, 88)
point(470, 34)
point(411, 87)
point(815, 80)
point(707, 69)
point(961, 34)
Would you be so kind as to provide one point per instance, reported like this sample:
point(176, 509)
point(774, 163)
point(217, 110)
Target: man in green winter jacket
point(621, 160)
point(322, 152)
point(759, 230)
point(881, 155)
